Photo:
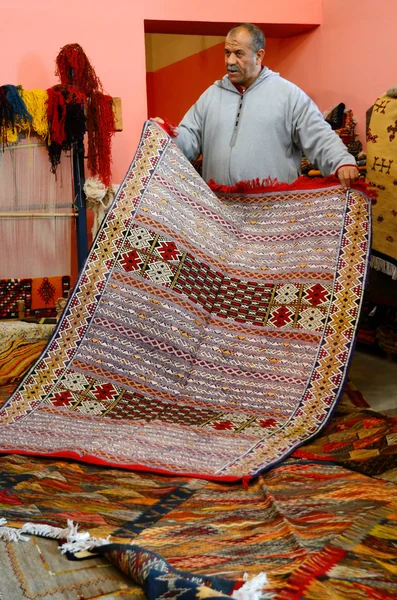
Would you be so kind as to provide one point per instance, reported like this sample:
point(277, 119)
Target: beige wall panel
point(163, 49)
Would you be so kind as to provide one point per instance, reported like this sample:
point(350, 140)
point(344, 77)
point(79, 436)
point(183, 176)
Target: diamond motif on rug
point(140, 238)
point(311, 318)
point(159, 272)
point(46, 291)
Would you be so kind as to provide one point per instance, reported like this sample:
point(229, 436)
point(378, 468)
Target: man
point(255, 124)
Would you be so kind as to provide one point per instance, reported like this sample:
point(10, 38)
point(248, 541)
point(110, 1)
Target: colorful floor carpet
point(302, 521)
point(205, 337)
point(16, 357)
point(360, 439)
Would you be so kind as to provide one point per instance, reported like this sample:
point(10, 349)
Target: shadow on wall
point(32, 73)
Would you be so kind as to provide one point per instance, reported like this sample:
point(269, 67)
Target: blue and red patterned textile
point(207, 336)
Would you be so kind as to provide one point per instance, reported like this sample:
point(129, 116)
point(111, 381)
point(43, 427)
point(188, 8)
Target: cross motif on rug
point(382, 165)
point(392, 130)
point(381, 106)
point(371, 138)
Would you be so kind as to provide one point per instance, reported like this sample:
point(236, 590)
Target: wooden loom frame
point(79, 202)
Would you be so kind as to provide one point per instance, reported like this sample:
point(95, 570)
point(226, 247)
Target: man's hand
point(347, 174)
point(157, 120)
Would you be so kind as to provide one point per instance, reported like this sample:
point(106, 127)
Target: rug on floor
point(36, 569)
point(282, 523)
point(173, 533)
point(16, 357)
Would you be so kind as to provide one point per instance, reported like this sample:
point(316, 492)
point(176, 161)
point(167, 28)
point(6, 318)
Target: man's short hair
point(257, 35)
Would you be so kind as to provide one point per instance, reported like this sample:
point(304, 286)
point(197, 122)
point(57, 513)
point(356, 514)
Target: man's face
point(242, 64)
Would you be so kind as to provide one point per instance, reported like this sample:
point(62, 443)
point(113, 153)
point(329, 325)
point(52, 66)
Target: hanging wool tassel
point(65, 114)
point(35, 101)
point(6, 118)
point(56, 115)
point(12, 111)
point(17, 104)
point(100, 129)
point(59, 97)
point(74, 69)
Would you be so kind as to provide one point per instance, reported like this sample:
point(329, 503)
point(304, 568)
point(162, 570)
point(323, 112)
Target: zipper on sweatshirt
point(237, 121)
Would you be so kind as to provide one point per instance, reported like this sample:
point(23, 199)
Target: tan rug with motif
point(382, 174)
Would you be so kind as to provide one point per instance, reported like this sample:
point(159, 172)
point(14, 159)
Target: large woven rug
point(206, 337)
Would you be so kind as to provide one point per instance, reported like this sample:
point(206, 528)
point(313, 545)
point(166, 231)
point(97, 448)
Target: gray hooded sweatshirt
point(260, 133)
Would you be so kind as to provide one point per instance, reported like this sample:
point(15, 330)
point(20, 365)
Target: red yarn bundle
point(100, 129)
point(74, 69)
point(58, 98)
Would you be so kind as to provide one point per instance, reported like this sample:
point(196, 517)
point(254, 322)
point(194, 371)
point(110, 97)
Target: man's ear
point(259, 56)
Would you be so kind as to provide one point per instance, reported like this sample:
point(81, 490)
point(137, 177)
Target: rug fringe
point(380, 264)
point(79, 545)
point(49, 531)
point(10, 534)
point(170, 128)
point(75, 541)
point(258, 186)
point(252, 589)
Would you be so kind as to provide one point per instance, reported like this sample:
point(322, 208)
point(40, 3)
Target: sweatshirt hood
point(266, 73)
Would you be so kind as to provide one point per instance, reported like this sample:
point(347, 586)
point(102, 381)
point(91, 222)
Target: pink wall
point(112, 35)
point(351, 58)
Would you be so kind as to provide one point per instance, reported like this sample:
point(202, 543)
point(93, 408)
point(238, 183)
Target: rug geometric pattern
point(284, 518)
point(206, 337)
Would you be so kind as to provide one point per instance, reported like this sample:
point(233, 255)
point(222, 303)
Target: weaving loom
point(36, 216)
point(36, 213)
point(205, 337)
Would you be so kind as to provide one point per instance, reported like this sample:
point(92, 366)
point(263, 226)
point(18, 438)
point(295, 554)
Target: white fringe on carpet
point(252, 589)
point(383, 265)
point(75, 541)
point(10, 534)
